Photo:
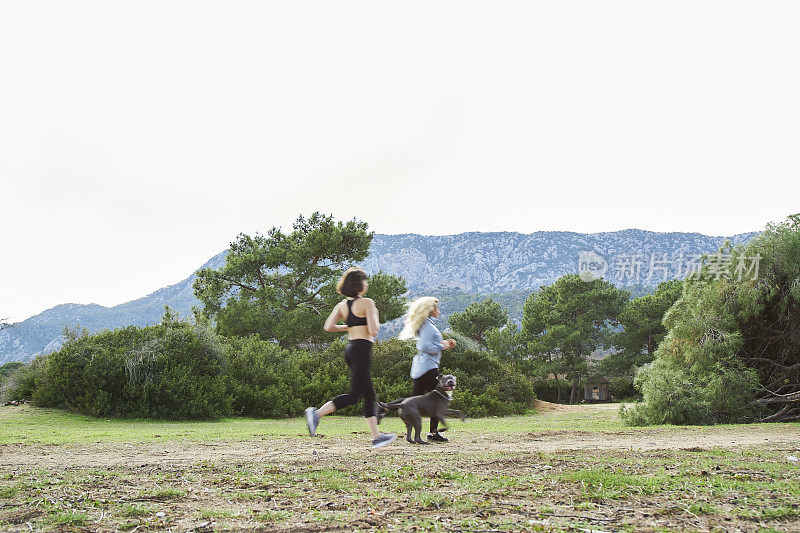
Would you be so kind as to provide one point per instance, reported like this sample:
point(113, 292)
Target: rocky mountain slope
point(462, 267)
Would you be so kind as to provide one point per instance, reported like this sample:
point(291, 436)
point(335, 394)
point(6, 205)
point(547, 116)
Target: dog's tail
point(385, 408)
point(391, 405)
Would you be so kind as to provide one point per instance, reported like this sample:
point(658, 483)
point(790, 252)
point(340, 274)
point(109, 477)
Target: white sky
point(138, 138)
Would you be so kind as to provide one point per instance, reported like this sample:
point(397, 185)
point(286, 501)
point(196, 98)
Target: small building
point(597, 390)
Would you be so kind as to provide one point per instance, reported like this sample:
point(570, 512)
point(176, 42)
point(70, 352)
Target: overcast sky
point(138, 138)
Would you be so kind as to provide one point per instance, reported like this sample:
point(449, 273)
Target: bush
point(8, 369)
point(462, 341)
point(730, 353)
point(20, 381)
point(172, 371)
point(547, 390)
point(391, 368)
point(178, 371)
point(622, 387)
point(672, 395)
point(485, 385)
point(179, 374)
point(327, 372)
point(264, 379)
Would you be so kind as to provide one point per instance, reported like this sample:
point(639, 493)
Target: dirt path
point(625, 478)
point(299, 449)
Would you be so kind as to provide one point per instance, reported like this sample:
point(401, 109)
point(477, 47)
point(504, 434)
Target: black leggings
point(426, 383)
point(358, 354)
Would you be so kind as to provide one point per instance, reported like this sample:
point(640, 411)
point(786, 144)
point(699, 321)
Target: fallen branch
point(589, 518)
point(539, 513)
point(791, 397)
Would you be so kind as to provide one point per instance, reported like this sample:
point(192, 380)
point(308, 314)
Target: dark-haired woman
point(360, 317)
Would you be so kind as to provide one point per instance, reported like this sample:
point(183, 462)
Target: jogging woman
point(430, 344)
point(360, 318)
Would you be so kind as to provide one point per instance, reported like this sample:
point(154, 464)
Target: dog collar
point(442, 395)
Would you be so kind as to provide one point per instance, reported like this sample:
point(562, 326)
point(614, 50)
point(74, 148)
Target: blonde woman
point(430, 345)
point(360, 317)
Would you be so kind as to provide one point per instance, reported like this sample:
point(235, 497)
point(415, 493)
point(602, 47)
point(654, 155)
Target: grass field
point(558, 468)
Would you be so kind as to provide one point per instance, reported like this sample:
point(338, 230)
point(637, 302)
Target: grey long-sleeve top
point(429, 346)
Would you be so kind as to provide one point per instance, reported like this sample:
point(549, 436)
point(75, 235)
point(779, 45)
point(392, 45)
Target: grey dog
point(430, 404)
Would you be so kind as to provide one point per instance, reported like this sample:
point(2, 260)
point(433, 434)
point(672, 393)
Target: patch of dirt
point(543, 407)
point(541, 480)
point(22, 516)
point(270, 450)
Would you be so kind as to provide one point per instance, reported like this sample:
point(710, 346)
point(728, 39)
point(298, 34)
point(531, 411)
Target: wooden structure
point(597, 390)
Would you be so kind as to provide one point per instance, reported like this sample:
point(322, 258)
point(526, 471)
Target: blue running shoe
point(383, 439)
point(312, 419)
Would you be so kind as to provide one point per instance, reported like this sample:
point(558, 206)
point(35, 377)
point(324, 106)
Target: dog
point(430, 404)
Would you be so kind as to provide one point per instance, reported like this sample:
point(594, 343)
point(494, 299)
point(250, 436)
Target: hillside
point(458, 268)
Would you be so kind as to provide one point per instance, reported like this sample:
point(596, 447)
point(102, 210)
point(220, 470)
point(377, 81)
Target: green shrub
point(462, 341)
point(547, 389)
point(391, 368)
point(172, 371)
point(264, 379)
point(731, 342)
point(9, 368)
point(21, 381)
point(622, 388)
point(178, 371)
point(179, 375)
point(327, 372)
point(485, 385)
point(673, 395)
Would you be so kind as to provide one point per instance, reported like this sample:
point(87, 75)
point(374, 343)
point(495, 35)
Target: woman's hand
point(449, 343)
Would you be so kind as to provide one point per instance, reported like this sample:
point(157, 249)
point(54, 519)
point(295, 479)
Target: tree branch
point(238, 283)
point(313, 261)
point(260, 277)
point(770, 361)
point(787, 411)
point(311, 297)
point(778, 398)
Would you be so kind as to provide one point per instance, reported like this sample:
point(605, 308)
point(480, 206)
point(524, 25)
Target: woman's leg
point(363, 384)
point(426, 383)
point(343, 400)
point(358, 354)
point(418, 386)
point(351, 355)
point(327, 408)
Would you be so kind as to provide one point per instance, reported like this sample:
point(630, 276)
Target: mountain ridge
point(468, 264)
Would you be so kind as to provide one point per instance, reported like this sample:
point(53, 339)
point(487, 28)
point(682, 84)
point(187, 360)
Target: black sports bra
point(352, 319)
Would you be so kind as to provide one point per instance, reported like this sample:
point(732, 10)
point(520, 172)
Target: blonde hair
point(418, 311)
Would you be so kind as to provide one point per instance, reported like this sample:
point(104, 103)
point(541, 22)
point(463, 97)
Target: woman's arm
point(331, 325)
point(428, 341)
point(373, 322)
